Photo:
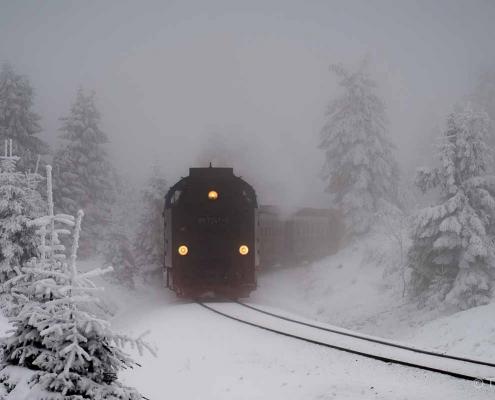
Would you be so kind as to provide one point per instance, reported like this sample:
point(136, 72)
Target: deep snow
point(360, 288)
point(204, 356)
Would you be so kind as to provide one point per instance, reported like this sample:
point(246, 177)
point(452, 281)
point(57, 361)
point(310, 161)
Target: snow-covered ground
point(205, 356)
point(202, 355)
point(470, 332)
point(360, 288)
point(354, 289)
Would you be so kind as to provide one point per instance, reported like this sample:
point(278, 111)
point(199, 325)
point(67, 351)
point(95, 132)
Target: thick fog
point(245, 83)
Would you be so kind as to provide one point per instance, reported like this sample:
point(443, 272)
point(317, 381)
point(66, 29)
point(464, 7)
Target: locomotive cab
point(210, 234)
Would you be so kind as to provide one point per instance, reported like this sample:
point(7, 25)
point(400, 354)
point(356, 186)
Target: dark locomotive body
point(211, 216)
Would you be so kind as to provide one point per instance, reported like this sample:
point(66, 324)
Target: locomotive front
point(210, 235)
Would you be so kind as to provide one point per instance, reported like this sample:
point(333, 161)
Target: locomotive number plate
point(213, 220)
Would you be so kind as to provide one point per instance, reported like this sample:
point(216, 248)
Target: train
point(217, 238)
point(297, 237)
point(210, 235)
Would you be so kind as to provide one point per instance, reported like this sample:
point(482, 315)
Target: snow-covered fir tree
point(83, 175)
point(20, 202)
point(75, 355)
point(118, 249)
point(17, 119)
point(453, 252)
point(149, 239)
point(360, 171)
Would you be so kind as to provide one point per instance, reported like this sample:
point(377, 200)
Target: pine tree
point(20, 202)
point(83, 175)
point(75, 354)
point(360, 170)
point(17, 120)
point(118, 249)
point(149, 239)
point(453, 252)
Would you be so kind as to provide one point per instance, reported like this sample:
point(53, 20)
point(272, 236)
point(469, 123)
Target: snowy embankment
point(360, 288)
point(470, 332)
point(206, 356)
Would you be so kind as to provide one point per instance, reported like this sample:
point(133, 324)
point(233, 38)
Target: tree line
point(60, 344)
point(83, 177)
point(451, 259)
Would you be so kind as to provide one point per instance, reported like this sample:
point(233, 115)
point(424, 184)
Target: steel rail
point(370, 339)
point(351, 351)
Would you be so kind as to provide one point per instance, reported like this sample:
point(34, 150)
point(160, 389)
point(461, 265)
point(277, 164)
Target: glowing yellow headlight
point(212, 195)
point(243, 250)
point(183, 250)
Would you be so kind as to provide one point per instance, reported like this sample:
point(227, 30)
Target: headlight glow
point(212, 195)
point(243, 250)
point(183, 250)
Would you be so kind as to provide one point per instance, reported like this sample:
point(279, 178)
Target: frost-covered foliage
point(17, 120)
point(453, 252)
point(395, 224)
point(83, 176)
point(20, 202)
point(118, 249)
point(75, 354)
point(149, 239)
point(118, 254)
point(360, 170)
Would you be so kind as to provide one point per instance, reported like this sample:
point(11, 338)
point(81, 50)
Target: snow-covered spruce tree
point(83, 175)
point(149, 238)
point(118, 251)
point(17, 120)
point(74, 354)
point(360, 169)
point(20, 202)
point(453, 253)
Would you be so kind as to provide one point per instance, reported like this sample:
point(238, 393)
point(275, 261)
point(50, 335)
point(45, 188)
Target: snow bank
point(470, 333)
point(360, 288)
point(205, 356)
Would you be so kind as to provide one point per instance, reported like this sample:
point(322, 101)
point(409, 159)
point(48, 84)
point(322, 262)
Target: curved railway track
point(358, 344)
point(370, 338)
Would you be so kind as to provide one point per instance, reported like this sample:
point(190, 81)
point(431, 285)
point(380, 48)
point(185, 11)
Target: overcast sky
point(169, 74)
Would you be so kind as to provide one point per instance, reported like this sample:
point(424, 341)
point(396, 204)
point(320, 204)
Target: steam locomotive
point(210, 235)
point(216, 236)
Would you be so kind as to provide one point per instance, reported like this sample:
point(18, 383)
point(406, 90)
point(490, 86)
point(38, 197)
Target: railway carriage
point(216, 237)
point(305, 235)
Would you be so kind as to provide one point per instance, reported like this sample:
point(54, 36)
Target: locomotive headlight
point(183, 250)
point(243, 250)
point(212, 195)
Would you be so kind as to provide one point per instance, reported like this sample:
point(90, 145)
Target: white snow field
point(360, 289)
point(205, 356)
point(470, 332)
point(202, 355)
